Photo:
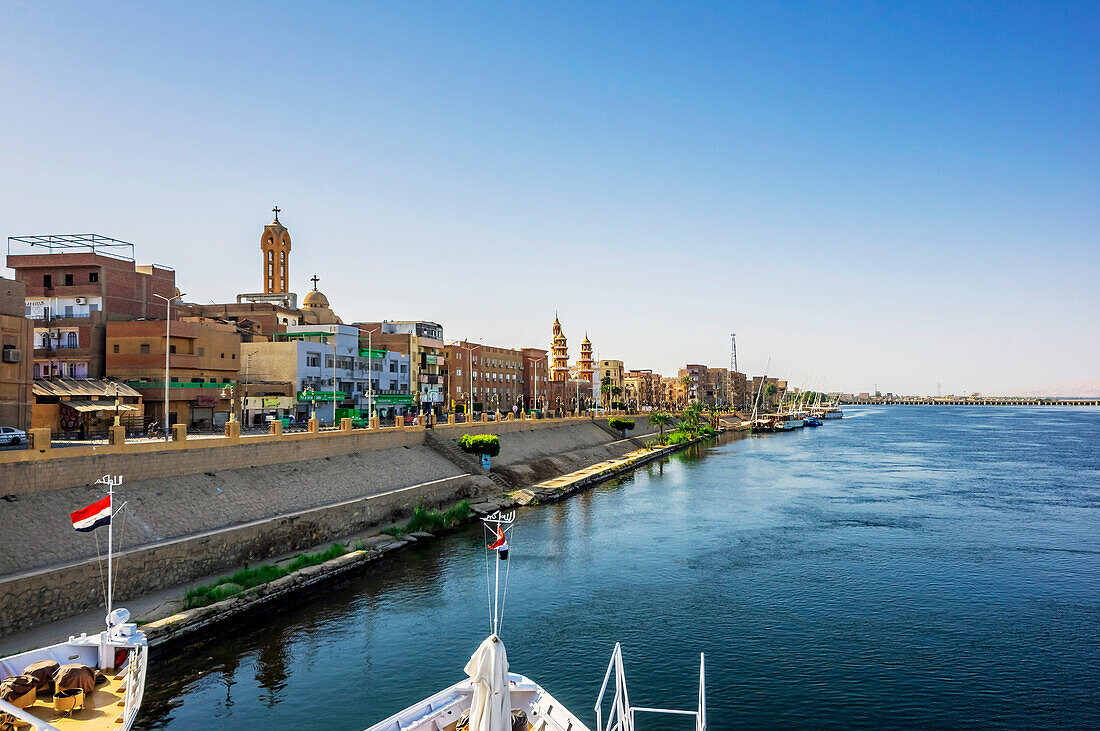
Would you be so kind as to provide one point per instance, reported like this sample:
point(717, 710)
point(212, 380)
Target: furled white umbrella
point(491, 709)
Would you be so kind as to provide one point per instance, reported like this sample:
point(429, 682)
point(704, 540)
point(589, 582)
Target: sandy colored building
point(16, 366)
point(204, 359)
point(642, 388)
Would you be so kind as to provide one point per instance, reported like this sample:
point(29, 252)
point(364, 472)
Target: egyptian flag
point(500, 545)
point(93, 516)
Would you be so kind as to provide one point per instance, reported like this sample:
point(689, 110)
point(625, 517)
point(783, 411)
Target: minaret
point(559, 369)
point(275, 245)
point(585, 364)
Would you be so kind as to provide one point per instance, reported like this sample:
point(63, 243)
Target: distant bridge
point(968, 401)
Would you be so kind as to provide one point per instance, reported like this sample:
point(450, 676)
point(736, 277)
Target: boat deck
point(102, 708)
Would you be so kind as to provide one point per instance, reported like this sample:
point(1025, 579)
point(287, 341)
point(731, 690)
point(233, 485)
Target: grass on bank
point(202, 596)
point(423, 519)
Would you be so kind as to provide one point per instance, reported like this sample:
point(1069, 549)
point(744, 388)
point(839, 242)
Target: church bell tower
point(275, 245)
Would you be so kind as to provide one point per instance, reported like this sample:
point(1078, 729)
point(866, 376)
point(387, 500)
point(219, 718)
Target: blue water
point(905, 566)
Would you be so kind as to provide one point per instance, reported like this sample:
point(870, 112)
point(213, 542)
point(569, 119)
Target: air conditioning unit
point(82, 300)
point(12, 355)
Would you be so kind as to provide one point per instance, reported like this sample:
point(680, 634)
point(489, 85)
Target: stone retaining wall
point(51, 594)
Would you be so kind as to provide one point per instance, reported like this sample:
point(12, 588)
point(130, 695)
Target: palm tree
point(715, 414)
point(659, 419)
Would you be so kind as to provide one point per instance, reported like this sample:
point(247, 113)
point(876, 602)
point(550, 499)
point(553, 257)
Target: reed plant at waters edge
point(202, 596)
point(424, 519)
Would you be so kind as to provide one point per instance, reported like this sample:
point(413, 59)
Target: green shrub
point(708, 431)
point(480, 444)
point(394, 530)
point(678, 437)
point(620, 424)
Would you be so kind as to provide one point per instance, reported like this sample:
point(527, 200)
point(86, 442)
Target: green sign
point(320, 396)
point(393, 398)
point(368, 353)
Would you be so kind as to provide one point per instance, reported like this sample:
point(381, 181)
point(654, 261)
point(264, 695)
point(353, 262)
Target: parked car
point(11, 435)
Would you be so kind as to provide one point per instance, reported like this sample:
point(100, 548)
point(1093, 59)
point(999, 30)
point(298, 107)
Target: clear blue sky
point(866, 193)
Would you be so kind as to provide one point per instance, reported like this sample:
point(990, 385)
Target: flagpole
point(110, 545)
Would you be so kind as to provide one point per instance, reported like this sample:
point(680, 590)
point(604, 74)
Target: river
point(933, 566)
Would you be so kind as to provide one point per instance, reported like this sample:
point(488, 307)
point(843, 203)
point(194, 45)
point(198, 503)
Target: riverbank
point(166, 622)
point(188, 525)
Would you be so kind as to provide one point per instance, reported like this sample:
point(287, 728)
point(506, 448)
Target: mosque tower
point(559, 368)
point(585, 364)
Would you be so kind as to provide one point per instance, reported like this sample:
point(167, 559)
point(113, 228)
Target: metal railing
point(621, 717)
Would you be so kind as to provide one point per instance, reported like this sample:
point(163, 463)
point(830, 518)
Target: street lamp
point(308, 390)
point(167, 346)
point(116, 404)
point(230, 391)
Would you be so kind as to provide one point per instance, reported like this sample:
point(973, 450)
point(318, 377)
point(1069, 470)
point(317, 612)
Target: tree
point(715, 414)
point(770, 390)
point(621, 424)
point(659, 419)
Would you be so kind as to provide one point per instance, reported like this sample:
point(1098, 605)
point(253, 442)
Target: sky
point(894, 195)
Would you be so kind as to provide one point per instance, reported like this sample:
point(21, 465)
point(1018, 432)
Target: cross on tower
point(314, 279)
point(276, 209)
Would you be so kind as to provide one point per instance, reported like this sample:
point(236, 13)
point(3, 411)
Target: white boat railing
point(621, 716)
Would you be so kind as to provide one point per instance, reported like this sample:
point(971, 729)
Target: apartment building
point(16, 369)
point(422, 341)
point(488, 377)
point(75, 284)
point(203, 368)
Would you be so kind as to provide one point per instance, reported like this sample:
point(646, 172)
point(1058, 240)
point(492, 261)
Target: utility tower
point(733, 352)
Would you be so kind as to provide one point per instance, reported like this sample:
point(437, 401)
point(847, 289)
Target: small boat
point(89, 682)
point(494, 699)
point(813, 421)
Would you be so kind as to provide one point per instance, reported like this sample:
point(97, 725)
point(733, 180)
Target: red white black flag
point(500, 545)
point(93, 516)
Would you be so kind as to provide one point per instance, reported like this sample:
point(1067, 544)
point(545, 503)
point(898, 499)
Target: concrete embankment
point(184, 625)
point(215, 514)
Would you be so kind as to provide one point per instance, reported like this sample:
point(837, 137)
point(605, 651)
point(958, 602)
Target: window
point(175, 379)
point(196, 380)
point(172, 349)
point(93, 277)
point(116, 348)
point(233, 356)
point(68, 280)
point(45, 340)
point(144, 348)
point(202, 350)
point(68, 310)
point(47, 281)
point(458, 372)
point(393, 385)
point(70, 340)
point(393, 368)
point(93, 307)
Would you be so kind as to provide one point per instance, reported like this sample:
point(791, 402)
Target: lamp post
point(167, 347)
point(116, 404)
point(308, 390)
point(230, 391)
